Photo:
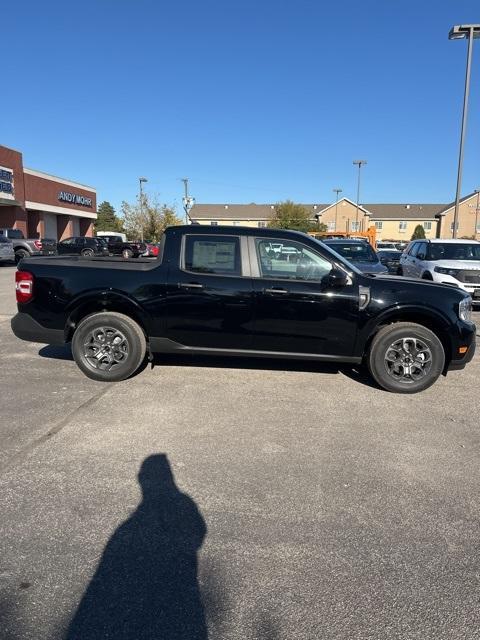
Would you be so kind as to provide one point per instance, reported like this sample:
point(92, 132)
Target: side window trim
point(244, 261)
point(255, 258)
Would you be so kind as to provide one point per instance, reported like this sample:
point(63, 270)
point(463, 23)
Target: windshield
point(391, 255)
point(452, 251)
point(355, 252)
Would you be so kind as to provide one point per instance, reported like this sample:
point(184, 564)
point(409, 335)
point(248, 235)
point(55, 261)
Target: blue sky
point(253, 100)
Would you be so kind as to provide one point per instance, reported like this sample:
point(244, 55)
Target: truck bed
point(83, 262)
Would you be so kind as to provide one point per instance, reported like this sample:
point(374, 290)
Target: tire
point(123, 357)
point(399, 271)
point(423, 354)
point(19, 254)
point(127, 253)
point(427, 276)
point(87, 252)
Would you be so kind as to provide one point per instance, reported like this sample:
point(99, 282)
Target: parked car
point(385, 244)
point(152, 250)
point(453, 262)
point(7, 253)
point(81, 246)
point(217, 291)
point(359, 253)
point(127, 249)
point(26, 247)
point(391, 259)
point(401, 246)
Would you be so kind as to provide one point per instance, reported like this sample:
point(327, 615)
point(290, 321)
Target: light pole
point(360, 163)
point(337, 191)
point(141, 180)
point(477, 191)
point(187, 200)
point(460, 32)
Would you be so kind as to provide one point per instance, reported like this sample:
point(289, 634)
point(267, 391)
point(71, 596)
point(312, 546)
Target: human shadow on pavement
point(145, 586)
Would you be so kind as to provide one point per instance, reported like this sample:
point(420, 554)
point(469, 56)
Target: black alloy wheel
point(108, 346)
point(19, 254)
point(406, 357)
point(127, 253)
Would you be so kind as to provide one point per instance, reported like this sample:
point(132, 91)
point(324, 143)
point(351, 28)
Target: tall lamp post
point(337, 191)
point(477, 191)
point(360, 164)
point(460, 32)
point(141, 181)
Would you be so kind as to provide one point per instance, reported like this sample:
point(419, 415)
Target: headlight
point(465, 309)
point(448, 272)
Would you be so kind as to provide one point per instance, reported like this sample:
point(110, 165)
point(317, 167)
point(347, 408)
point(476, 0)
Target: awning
point(6, 202)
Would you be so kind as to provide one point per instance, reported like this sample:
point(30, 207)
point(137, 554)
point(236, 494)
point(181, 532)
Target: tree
point(418, 233)
point(107, 219)
point(149, 220)
point(289, 215)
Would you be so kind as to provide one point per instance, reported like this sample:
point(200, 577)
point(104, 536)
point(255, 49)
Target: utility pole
point(477, 191)
point(141, 180)
point(187, 200)
point(360, 164)
point(337, 191)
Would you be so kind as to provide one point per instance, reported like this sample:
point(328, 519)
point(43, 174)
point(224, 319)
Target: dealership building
point(42, 205)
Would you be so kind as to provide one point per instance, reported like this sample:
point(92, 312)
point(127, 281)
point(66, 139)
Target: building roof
point(446, 208)
point(250, 211)
point(403, 211)
point(265, 211)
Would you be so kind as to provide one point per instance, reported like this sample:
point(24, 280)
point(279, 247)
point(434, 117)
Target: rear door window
point(212, 255)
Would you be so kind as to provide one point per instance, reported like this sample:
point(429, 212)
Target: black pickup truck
point(223, 291)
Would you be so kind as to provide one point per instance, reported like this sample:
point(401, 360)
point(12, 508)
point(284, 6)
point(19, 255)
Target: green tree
point(107, 220)
point(149, 220)
point(418, 233)
point(289, 215)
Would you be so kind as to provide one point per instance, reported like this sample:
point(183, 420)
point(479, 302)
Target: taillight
point(155, 251)
point(38, 244)
point(23, 286)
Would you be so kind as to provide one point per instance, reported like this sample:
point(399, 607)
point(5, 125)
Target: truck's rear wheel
point(127, 253)
point(19, 254)
point(108, 346)
point(406, 357)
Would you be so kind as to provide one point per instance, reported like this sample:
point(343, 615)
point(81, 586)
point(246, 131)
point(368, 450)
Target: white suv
point(455, 262)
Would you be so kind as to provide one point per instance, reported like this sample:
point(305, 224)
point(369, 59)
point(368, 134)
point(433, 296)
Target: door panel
point(295, 309)
point(210, 305)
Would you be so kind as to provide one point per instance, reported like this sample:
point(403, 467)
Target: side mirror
point(383, 259)
point(336, 278)
point(421, 256)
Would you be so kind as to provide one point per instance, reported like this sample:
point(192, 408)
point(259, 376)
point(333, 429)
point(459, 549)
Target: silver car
point(454, 262)
point(7, 254)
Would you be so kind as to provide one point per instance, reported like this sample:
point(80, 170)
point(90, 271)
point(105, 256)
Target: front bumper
point(466, 338)
point(26, 328)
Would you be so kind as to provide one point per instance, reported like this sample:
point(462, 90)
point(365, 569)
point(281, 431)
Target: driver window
point(290, 260)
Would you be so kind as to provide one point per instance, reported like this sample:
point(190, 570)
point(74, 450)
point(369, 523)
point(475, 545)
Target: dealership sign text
point(74, 198)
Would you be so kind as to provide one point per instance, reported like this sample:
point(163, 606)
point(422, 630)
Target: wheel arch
point(431, 320)
point(102, 301)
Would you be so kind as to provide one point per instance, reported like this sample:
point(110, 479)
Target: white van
point(112, 233)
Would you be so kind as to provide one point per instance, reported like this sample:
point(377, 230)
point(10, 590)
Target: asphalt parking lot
point(233, 500)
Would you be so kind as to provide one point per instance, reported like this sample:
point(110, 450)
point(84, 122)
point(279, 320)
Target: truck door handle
point(275, 291)
point(190, 285)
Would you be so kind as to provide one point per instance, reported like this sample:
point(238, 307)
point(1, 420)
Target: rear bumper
point(26, 328)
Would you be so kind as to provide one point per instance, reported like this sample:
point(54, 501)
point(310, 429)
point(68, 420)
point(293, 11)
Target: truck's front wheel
point(108, 346)
point(406, 357)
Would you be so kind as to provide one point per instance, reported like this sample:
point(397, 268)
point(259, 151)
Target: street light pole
point(360, 163)
point(460, 32)
point(477, 191)
point(188, 201)
point(141, 181)
point(337, 191)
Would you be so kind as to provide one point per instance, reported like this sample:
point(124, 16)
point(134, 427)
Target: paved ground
point(219, 499)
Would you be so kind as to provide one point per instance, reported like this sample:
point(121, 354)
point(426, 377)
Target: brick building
point(42, 205)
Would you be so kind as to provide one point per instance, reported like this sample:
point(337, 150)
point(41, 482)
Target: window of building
point(451, 226)
point(402, 226)
point(214, 223)
point(478, 226)
point(354, 226)
point(427, 226)
point(378, 225)
point(331, 226)
point(262, 224)
point(212, 254)
point(290, 260)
